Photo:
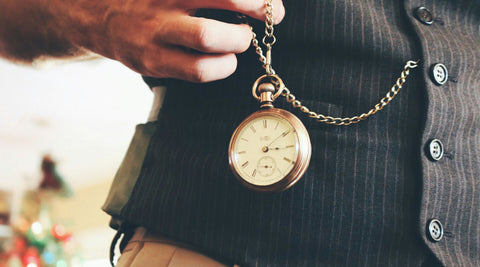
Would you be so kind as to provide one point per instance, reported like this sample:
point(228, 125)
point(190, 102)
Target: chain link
point(269, 39)
point(290, 98)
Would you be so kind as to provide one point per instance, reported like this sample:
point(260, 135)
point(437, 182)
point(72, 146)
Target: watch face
point(264, 149)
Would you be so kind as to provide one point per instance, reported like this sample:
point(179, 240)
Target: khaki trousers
point(149, 250)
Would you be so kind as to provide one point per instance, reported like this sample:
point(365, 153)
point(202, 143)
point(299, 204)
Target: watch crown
point(266, 95)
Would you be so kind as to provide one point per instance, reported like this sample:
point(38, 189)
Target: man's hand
point(158, 38)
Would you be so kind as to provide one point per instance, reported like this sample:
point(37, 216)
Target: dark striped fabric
point(370, 189)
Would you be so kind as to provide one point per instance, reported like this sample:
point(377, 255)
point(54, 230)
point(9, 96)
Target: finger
point(190, 66)
point(204, 35)
point(252, 8)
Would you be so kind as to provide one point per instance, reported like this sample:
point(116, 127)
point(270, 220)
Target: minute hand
point(282, 135)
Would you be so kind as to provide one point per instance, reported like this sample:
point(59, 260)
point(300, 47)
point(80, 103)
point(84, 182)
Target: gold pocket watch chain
point(269, 40)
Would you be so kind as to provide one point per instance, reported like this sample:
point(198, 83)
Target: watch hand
point(282, 135)
point(278, 148)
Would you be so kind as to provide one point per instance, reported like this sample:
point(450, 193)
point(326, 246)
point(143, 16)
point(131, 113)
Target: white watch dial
point(265, 150)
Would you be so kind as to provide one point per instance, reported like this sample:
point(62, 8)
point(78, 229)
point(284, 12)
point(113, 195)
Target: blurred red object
point(31, 257)
point(58, 231)
point(49, 178)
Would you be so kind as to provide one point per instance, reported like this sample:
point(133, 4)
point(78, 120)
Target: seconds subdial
point(266, 166)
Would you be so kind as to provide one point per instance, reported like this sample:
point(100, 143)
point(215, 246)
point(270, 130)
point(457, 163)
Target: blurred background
point(64, 129)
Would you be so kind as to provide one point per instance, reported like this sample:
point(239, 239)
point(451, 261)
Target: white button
point(435, 149)
point(439, 74)
point(424, 15)
point(435, 230)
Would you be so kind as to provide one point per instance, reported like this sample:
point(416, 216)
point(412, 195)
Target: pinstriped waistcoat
point(371, 189)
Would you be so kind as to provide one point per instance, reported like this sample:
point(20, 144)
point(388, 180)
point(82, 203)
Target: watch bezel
point(304, 151)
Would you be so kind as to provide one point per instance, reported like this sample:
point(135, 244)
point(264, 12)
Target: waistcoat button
point(424, 15)
point(435, 230)
point(439, 74)
point(435, 149)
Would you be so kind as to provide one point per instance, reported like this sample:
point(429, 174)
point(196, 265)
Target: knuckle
point(151, 67)
point(198, 72)
point(237, 4)
point(154, 65)
point(203, 38)
point(134, 63)
point(198, 76)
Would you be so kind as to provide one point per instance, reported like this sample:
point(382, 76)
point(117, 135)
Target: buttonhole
point(439, 21)
point(449, 155)
point(453, 79)
point(448, 234)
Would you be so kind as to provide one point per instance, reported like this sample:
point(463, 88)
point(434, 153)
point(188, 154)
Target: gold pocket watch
point(270, 150)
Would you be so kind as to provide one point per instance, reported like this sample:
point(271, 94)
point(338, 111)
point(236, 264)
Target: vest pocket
point(129, 170)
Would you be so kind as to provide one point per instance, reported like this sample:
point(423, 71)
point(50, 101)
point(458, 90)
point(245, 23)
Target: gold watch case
point(265, 166)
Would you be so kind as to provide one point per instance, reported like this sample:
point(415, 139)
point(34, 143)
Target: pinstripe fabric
point(370, 190)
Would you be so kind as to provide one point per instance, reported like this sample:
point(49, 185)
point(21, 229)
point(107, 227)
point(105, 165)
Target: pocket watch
point(270, 150)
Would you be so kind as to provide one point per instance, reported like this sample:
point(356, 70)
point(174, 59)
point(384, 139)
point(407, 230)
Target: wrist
point(27, 31)
point(88, 24)
point(78, 24)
